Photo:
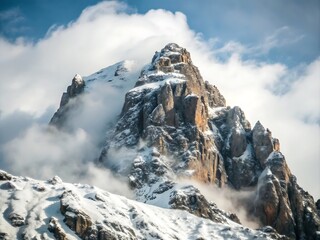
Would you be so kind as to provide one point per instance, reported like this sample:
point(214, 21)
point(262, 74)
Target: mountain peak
point(170, 58)
point(77, 79)
point(176, 125)
point(171, 63)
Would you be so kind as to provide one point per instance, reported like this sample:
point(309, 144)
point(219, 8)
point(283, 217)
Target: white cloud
point(43, 152)
point(281, 37)
point(34, 75)
point(229, 200)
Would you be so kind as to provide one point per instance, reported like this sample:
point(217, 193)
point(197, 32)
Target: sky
point(262, 55)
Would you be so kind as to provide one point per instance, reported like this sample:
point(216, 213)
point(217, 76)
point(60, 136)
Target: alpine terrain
point(175, 134)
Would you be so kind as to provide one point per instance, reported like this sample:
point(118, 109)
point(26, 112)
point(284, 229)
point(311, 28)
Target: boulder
point(56, 229)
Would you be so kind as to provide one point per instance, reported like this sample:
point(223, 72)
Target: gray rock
point(215, 98)
point(190, 199)
point(4, 236)
point(238, 142)
point(158, 115)
point(4, 176)
point(75, 89)
point(262, 143)
point(165, 98)
point(173, 120)
point(16, 220)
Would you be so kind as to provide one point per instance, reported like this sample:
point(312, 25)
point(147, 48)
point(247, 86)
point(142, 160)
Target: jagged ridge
point(179, 126)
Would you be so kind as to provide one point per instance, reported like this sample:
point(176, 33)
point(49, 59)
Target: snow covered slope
point(102, 91)
point(52, 209)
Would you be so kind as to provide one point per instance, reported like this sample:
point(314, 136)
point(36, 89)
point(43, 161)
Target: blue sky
point(295, 24)
point(262, 55)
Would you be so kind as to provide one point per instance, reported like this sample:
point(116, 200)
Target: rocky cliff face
point(179, 126)
point(66, 105)
point(169, 109)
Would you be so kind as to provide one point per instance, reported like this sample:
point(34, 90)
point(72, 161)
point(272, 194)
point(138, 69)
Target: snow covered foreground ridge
point(175, 125)
point(52, 209)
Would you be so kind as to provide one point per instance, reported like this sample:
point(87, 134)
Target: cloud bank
point(34, 75)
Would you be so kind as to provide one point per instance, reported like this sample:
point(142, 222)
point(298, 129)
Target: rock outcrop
point(4, 176)
point(82, 224)
point(168, 109)
point(75, 89)
point(56, 229)
point(262, 143)
point(262, 167)
point(185, 119)
point(175, 125)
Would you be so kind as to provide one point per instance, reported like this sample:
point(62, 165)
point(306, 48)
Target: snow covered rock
point(174, 125)
point(76, 211)
point(117, 77)
point(56, 229)
point(168, 109)
point(262, 142)
point(281, 203)
point(233, 137)
point(4, 176)
point(76, 88)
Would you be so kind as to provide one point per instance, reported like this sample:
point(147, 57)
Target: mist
point(34, 74)
point(229, 200)
point(42, 151)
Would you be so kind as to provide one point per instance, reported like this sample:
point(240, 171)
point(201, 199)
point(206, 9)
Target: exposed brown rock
point(215, 98)
point(56, 229)
point(181, 104)
point(76, 219)
point(276, 144)
point(282, 204)
point(165, 98)
point(272, 205)
point(174, 118)
point(195, 111)
point(80, 222)
point(262, 143)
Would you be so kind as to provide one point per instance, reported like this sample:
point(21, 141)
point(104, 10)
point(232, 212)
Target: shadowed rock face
point(175, 117)
point(279, 201)
point(75, 89)
point(191, 132)
point(168, 109)
point(262, 143)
